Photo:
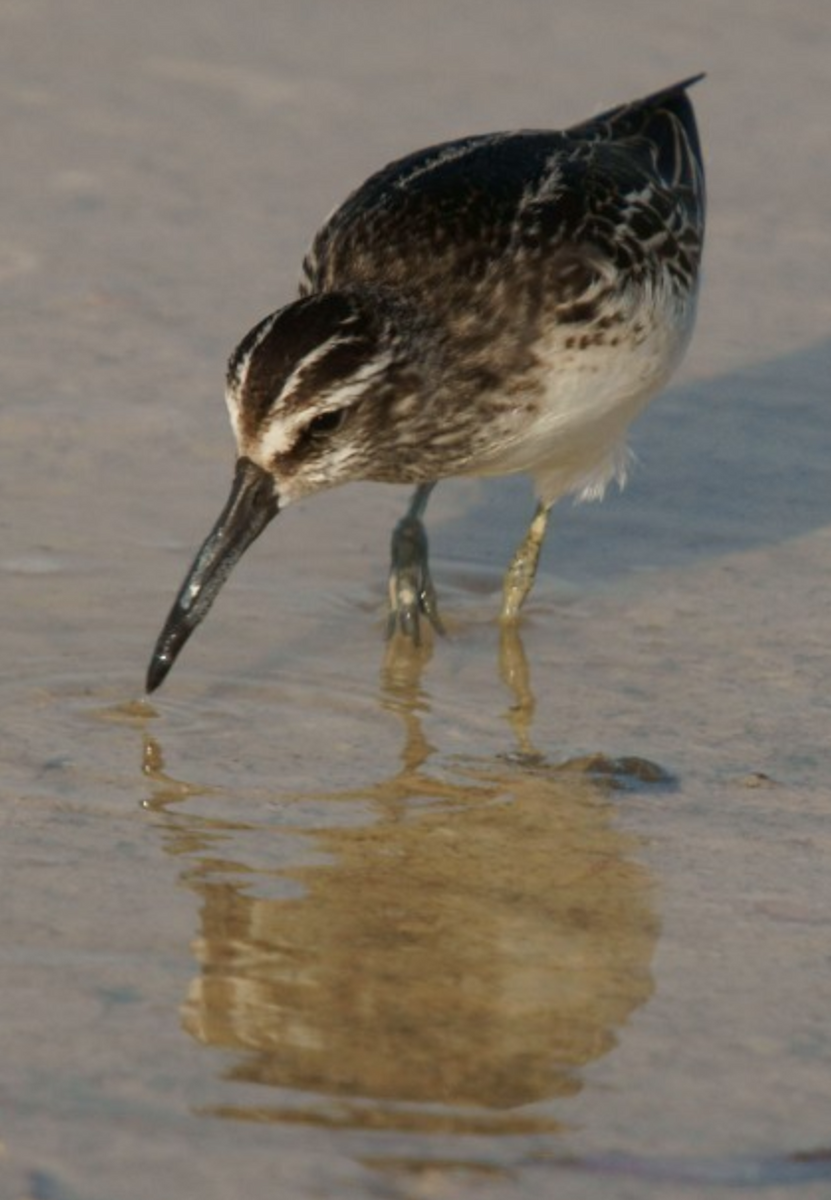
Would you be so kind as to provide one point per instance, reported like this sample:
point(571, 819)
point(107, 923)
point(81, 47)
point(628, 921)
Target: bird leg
point(519, 578)
point(411, 590)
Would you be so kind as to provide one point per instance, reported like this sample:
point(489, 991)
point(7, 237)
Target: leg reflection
point(516, 675)
point(465, 937)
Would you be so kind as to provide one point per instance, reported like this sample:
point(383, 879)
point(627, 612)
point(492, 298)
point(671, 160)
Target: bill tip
point(160, 664)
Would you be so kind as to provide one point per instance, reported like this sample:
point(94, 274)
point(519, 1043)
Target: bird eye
point(325, 423)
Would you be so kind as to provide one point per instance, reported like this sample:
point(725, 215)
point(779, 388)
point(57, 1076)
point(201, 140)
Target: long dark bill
point(252, 504)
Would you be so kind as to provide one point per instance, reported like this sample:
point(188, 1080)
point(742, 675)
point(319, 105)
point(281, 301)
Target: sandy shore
point(546, 916)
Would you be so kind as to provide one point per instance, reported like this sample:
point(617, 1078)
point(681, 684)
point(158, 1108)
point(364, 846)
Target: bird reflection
point(451, 961)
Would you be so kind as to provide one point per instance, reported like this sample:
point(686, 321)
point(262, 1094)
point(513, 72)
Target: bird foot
point(411, 591)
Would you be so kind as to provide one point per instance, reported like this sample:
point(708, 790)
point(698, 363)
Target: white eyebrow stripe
point(314, 356)
point(242, 367)
point(236, 384)
point(338, 395)
point(277, 439)
point(282, 433)
point(371, 368)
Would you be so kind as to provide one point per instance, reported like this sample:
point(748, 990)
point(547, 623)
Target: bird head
point(314, 392)
point(305, 389)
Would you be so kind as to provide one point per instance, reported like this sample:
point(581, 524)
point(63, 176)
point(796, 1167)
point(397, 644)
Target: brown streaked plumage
point(507, 302)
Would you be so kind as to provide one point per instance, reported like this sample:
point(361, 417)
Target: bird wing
point(453, 213)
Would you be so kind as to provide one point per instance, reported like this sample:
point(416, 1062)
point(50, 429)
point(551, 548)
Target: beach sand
point(520, 917)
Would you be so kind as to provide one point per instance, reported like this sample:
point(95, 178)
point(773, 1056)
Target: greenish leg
point(411, 590)
point(519, 578)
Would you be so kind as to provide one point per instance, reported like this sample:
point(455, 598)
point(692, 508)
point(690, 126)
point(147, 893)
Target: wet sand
point(518, 917)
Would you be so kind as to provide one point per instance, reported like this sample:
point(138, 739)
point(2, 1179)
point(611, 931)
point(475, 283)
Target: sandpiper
point(503, 303)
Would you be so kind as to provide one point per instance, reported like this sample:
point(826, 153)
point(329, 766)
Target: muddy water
point(519, 917)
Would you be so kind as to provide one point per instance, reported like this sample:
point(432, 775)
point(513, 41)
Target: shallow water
point(512, 917)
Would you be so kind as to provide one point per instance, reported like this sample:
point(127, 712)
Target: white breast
point(575, 439)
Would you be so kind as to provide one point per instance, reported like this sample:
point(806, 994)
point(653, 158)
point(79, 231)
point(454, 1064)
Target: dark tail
point(666, 122)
